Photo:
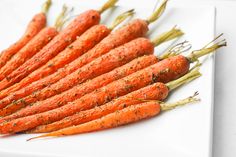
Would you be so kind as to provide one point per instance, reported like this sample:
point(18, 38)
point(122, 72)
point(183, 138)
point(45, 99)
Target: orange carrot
point(164, 71)
point(124, 116)
point(30, 49)
point(79, 90)
point(37, 23)
point(136, 28)
point(115, 58)
point(87, 87)
point(101, 65)
point(79, 25)
point(157, 91)
point(81, 45)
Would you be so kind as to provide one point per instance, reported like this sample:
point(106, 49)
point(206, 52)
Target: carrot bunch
point(88, 77)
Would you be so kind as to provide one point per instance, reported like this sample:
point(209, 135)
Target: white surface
point(24, 20)
point(224, 142)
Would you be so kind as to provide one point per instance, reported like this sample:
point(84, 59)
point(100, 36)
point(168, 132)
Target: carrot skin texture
point(134, 29)
point(37, 23)
point(79, 25)
point(125, 116)
point(156, 91)
point(79, 90)
point(163, 71)
point(115, 58)
point(81, 45)
point(30, 49)
point(85, 42)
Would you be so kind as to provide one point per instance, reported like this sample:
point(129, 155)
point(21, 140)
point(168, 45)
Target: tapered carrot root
point(164, 71)
point(124, 116)
point(136, 28)
point(80, 46)
point(78, 26)
point(30, 49)
point(105, 63)
point(77, 76)
point(157, 91)
point(80, 90)
point(37, 23)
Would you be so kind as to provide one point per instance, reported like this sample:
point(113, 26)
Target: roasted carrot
point(157, 91)
point(167, 70)
point(80, 90)
point(85, 88)
point(124, 116)
point(30, 49)
point(78, 26)
point(134, 29)
point(33, 46)
point(113, 59)
point(163, 71)
point(80, 46)
point(37, 23)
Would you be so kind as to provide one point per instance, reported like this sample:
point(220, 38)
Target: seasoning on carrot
point(157, 91)
point(78, 26)
point(37, 23)
point(85, 88)
point(85, 42)
point(165, 71)
point(31, 48)
point(134, 29)
point(115, 58)
point(124, 116)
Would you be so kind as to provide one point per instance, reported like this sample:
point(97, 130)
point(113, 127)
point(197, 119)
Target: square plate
point(183, 132)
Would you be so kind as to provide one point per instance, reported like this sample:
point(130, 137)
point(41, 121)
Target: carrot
point(134, 29)
point(165, 70)
point(124, 116)
point(30, 49)
point(79, 25)
point(80, 90)
point(80, 46)
point(85, 88)
point(157, 91)
point(113, 59)
point(37, 23)
point(33, 46)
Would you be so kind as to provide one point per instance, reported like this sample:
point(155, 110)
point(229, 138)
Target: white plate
point(183, 132)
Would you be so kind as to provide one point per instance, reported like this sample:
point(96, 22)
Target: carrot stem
point(157, 13)
point(120, 18)
point(176, 50)
point(167, 36)
point(61, 18)
point(170, 106)
point(46, 5)
point(107, 5)
point(209, 48)
point(193, 74)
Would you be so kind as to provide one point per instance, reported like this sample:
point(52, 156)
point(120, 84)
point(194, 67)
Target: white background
point(224, 135)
